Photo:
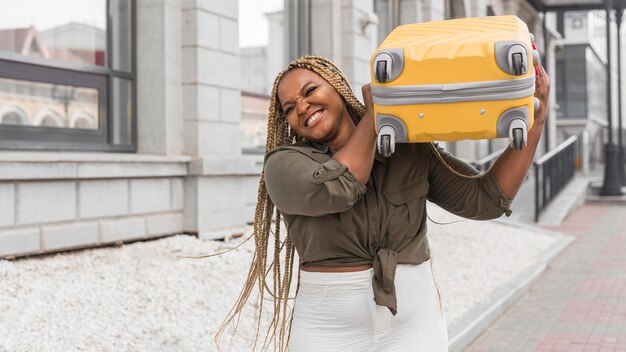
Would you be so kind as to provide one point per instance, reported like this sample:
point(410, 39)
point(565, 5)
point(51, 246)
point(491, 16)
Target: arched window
point(49, 121)
point(47, 117)
point(12, 118)
point(12, 115)
point(84, 120)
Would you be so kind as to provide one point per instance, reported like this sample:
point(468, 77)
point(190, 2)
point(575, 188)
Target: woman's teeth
point(313, 118)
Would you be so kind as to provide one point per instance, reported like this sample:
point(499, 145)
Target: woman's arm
point(512, 166)
point(488, 196)
point(358, 153)
point(300, 185)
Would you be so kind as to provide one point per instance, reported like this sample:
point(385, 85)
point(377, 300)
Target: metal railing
point(552, 173)
point(484, 164)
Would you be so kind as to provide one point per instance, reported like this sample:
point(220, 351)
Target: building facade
point(153, 117)
point(581, 76)
point(121, 124)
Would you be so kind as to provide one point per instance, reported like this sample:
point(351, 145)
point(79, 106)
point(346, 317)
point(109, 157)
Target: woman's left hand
point(542, 91)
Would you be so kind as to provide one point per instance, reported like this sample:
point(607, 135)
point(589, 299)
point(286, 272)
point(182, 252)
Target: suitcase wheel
point(386, 141)
point(385, 145)
point(518, 64)
point(388, 65)
point(518, 134)
point(513, 57)
point(518, 139)
point(381, 71)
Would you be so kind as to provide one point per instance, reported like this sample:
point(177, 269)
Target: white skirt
point(337, 312)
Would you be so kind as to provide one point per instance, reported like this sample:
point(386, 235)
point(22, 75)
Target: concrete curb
point(567, 201)
point(476, 321)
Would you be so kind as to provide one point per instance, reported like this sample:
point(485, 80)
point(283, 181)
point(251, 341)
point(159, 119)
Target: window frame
point(35, 69)
point(390, 21)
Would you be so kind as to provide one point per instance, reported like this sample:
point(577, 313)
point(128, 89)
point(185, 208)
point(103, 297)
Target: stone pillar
point(275, 49)
point(433, 10)
point(215, 192)
point(211, 78)
point(476, 8)
point(159, 78)
point(550, 67)
point(359, 31)
point(411, 11)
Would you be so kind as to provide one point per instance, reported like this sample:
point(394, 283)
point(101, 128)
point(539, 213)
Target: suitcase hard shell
point(469, 78)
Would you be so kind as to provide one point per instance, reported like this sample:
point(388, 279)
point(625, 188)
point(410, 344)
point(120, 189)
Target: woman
point(358, 220)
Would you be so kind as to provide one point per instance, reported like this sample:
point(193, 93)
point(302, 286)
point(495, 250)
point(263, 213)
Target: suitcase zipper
point(454, 92)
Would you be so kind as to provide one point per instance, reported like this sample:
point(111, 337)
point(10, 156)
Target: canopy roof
point(575, 5)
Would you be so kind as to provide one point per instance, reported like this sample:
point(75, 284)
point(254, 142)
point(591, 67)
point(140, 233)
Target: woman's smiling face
point(312, 106)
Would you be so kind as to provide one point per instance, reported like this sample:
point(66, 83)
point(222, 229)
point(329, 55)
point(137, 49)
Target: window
point(12, 115)
point(263, 56)
point(67, 80)
point(596, 86)
point(572, 82)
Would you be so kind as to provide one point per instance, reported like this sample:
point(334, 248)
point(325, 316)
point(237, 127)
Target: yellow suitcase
point(470, 78)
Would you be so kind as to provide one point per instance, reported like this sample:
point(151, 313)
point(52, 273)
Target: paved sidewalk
point(580, 302)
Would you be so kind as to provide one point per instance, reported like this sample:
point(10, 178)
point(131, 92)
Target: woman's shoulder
point(298, 150)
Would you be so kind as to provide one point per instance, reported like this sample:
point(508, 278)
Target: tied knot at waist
point(385, 263)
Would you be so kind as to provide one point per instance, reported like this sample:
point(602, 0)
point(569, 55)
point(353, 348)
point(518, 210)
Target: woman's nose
point(302, 106)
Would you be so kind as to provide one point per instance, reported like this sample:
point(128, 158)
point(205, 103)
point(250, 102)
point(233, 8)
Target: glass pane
point(254, 123)
point(576, 108)
point(574, 52)
point(262, 48)
point(122, 111)
point(72, 31)
point(48, 105)
point(121, 31)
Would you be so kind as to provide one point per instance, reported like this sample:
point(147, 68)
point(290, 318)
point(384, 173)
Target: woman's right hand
point(366, 90)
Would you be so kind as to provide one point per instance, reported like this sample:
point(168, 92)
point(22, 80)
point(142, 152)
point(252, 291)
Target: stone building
point(176, 109)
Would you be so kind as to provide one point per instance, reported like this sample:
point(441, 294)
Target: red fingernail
point(534, 46)
point(536, 71)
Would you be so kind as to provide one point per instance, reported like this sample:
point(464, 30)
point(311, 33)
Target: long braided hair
point(278, 283)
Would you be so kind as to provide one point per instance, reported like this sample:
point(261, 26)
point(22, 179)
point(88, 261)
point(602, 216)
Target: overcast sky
point(253, 25)
point(44, 14)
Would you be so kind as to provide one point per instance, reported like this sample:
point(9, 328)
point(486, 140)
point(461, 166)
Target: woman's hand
point(542, 91)
point(366, 90)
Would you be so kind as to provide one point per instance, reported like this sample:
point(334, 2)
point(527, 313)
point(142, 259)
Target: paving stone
point(580, 302)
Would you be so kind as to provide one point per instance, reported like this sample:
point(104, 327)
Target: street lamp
point(612, 179)
point(619, 9)
point(65, 95)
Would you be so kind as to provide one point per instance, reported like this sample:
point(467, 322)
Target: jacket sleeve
point(477, 198)
point(299, 185)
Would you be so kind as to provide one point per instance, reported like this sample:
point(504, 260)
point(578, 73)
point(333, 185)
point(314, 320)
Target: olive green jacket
point(335, 220)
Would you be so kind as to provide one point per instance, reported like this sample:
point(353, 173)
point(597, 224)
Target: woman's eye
point(310, 90)
point(288, 110)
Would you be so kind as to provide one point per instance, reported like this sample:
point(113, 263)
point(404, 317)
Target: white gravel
point(144, 297)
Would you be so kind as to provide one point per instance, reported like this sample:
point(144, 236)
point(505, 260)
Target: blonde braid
point(279, 133)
